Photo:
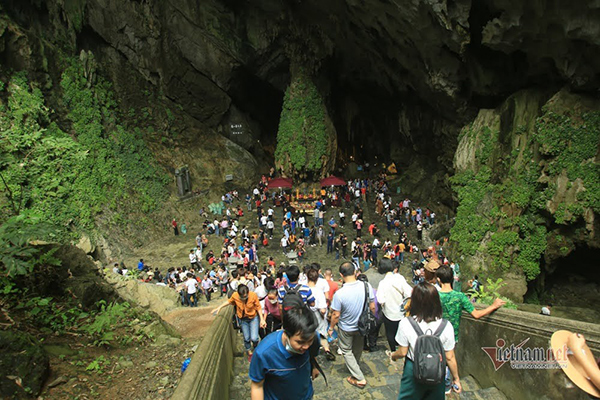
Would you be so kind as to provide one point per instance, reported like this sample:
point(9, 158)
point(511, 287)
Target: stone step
point(490, 393)
point(469, 384)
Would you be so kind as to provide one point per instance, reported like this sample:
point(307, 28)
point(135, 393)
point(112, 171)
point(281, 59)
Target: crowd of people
point(288, 313)
point(294, 312)
point(325, 306)
point(323, 312)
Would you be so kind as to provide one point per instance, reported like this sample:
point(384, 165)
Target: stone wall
point(209, 374)
point(514, 327)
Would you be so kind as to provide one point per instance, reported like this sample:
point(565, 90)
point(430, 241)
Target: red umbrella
point(280, 183)
point(332, 181)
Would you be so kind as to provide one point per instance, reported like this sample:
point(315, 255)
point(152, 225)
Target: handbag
point(405, 306)
point(363, 320)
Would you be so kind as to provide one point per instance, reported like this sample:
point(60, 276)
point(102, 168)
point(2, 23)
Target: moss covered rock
point(527, 180)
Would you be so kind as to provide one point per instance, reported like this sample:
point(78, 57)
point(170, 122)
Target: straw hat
point(570, 365)
point(432, 266)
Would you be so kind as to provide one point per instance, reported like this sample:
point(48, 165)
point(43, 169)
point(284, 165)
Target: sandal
point(330, 356)
point(354, 382)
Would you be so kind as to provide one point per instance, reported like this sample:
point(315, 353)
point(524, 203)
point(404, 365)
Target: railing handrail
point(541, 325)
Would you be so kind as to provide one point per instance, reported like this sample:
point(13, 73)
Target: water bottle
point(185, 364)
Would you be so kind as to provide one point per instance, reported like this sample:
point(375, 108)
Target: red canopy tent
point(285, 183)
point(332, 181)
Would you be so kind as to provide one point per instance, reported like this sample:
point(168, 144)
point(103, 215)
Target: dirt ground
point(142, 370)
point(191, 323)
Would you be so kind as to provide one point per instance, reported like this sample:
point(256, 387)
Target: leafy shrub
point(45, 313)
point(110, 316)
point(571, 144)
point(490, 291)
point(17, 255)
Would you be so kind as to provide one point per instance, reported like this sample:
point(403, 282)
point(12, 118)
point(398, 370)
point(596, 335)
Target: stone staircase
point(472, 391)
point(383, 381)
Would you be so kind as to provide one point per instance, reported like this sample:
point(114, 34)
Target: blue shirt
point(349, 301)
point(304, 291)
point(140, 265)
point(286, 375)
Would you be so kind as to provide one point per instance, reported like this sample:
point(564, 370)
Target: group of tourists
point(291, 314)
point(312, 308)
point(288, 314)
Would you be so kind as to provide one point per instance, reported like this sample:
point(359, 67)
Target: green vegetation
point(101, 329)
point(302, 139)
point(118, 170)
point(69, 180)
point(17, 255)
point(96, 365)
point(471, 223)
point(75, 11)
point(503, 197)
point(113, 324)
point(489, 141)
point(571, 143)
point(490, 291)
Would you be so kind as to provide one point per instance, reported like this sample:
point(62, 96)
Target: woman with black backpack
point(427, 342)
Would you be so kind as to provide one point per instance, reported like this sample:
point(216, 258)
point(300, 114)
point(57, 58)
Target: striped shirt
point(304, 292)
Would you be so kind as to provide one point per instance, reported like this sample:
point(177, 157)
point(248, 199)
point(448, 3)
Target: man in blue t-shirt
point(280, 366)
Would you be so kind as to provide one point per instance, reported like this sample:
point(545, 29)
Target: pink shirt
point(272, 309)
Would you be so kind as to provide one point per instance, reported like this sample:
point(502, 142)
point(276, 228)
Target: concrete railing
point(513, 327)
point(209, 373)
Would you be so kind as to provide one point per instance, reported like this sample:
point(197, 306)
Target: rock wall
point(519, 377)
point(399, 79)
point(527, 184)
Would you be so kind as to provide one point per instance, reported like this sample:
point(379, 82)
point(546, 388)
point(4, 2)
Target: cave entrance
point(575, 280)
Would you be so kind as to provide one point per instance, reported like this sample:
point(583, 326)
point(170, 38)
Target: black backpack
point(292, 298)
point(429, 355)
point(363, 320)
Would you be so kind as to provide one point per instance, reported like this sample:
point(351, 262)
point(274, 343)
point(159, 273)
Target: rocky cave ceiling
point(399, 68)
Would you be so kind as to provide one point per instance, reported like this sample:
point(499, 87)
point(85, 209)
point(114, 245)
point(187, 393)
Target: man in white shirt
point(302, 221)
point(263, 220)
point(284, 244)
point(198, 253)
point(193, 259)
point(321, 284)
point(391, 293)
point(191, 285)
point(376, 243)
point(270, 227)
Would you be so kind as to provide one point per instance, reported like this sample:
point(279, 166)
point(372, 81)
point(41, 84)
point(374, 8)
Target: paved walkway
point(383, 380)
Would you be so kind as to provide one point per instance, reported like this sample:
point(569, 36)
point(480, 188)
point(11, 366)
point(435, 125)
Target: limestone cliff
point(527, 183)
point(399, 79)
